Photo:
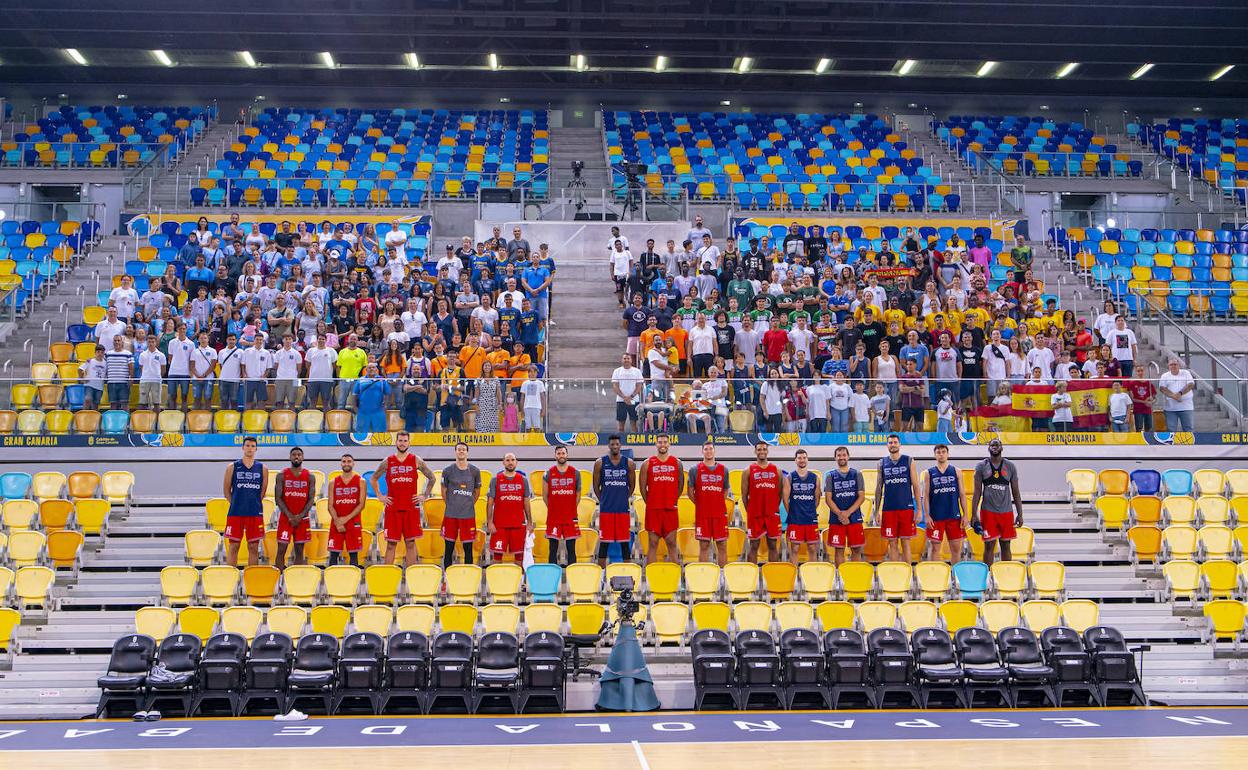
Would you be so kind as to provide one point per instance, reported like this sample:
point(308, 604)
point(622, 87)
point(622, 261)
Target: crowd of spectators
point(811, 334)
point(338, 318)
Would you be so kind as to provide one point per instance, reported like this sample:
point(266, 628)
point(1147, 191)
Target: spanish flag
point(1089, 406)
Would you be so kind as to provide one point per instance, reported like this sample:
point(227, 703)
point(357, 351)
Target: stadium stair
point(169, 192)
point(585, 145)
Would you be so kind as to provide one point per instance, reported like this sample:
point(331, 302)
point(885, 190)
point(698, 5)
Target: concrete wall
point(587, 241)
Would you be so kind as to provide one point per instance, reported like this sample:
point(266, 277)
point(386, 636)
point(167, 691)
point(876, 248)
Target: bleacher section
point(400, 157)
point(851, 162)
point(35, 255)
point(1033, 146)
point(111, 136)
point(1190, 273)
point(1212, 149)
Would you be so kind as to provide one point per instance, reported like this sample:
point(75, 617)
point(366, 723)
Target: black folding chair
point(126, 678)
point(361, 664)
point(175, 675)
point(542, 671)
point(221, 672)
point(714, 669)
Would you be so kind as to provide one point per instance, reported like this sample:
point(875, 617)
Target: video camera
point(578, 166)
point(625, 605)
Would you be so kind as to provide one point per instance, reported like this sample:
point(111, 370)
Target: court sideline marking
point(641, 756)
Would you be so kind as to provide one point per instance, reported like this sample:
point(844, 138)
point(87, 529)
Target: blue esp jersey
point(803, 498)
point(845, 488)
point(614, 496)
point(898, 490)
point(245, 486)
point(943, 491)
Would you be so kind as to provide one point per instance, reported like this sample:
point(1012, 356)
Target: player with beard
point(296, 511)
point(996, 491)
point(662, 482)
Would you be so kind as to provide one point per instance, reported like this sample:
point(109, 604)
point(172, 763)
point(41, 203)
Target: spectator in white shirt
point(627, 383)
point(698, 231)
point(321, 360)
point(1041, 356)
point(124, 298)
point(179, 358)
point(996, 363)
point(621, 265)
point(396, 238)
point(93, 372)
point(256, 364)
point(701, 346)
point(1123, 345)
point(533, 401)
point(802, 338)
point(817, 396)
point(1119, 409)
point(715, 389)
point(110, 327)
point(661, 369)
point(414, 320)
point(151, 368)
point(231, 360)
point(517, 297)
point(706, 253)
point(838, 402)
point(1178, 390)
point(287, 361)
point(1063, 417)
point(202, 366)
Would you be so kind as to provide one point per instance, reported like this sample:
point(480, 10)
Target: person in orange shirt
point(499, 359)
point(678, 337)
point(472, 356)
point(648, 336)
point(519, 366)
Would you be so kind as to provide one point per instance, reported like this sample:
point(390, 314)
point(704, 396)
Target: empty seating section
point(34, 254)
point(109, 136)
point(1034, 146)
point(1196, 274)
point(399, 157)
point(775, 161)
point(1212, 149)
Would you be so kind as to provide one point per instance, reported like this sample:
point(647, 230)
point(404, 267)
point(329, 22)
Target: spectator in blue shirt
point(836, 363)
point(285, 263)
point(189, 251)
point(530, 327)
point(198, 275)
point(536, 284)
point(915, 351)
point(508, 312)
point(370, 396)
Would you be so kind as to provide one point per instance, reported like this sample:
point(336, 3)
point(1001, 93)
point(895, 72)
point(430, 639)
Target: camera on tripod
point(625, 605)
point(577, 167)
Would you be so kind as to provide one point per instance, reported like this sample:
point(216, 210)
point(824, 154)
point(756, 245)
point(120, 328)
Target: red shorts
point(615, 527)
point(897, 524)
point(997, 526)
point(508, 540)
point(802, 533)
point(403, 525)
point(459, 530)
point(249, 528)
point(759, 524)
point(562, 526)
point(350, 540)
point(951, 529)
point(300, 534)
point(662, 521)
point(846, 535)
point(710, 527)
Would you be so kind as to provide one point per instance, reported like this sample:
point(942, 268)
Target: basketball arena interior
point(581, 383)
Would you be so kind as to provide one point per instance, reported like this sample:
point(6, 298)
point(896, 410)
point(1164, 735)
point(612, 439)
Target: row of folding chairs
point(27, 548)
point(27, 587)
point(1085, 485)
point(88, 515)
point(1212, 542)
point(114, 486)
point(406, 671)
point(1192, 582)
point(1115, 512)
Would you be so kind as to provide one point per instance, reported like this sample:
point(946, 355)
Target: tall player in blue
point(897, 490)
point(801, 500)
point(844, 491)
point(945, 508)
point(613, 486)
point(245, 485)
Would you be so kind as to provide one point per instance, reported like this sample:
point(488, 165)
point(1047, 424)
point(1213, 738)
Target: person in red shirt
point(403, 499)
point(710, 495)
point(508, 519)
point(1083, 341)
point(562, 494)
point(762, 489)
point(347, 496)
point(662, 481)
point(775, 341)
point(295, 493)
point(1142, 394)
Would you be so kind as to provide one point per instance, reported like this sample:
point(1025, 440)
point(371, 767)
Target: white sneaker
point(291, 716)
point(152, 716)
point(140, 716)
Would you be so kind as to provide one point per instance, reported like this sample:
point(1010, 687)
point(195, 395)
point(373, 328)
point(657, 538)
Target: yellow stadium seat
point(1213, 510)
point(1113, 481)
point(10, 619)
point(873, 615)
point(998, 614)
point(818, 579)
point(287, 620)
point(156, 622)
point(91, 515)
point(1040, 614)
point(752, 616)
point(55, 515)
point(668, 621)
point(1216, 542)
point(857, 579)
point(711, 615)
point(330, 619)
point(1182, 579)
point(242, 620)
point(1179, 542)
point(543, 616)
point(46, 485)
point(779, 579)
point(959, 614)
point(662, 580)
point(178, 584)
point(31, 586)
point(918, 614)
point(1048, 579)
point(1237, 480)
point(373, 618)
point(215, 512)
point(702, 581)
point(18, 515)
point(226, 421)
point(1221, 578)
point(741, 580)
point(463, 583)
point(1081, 483)
point(503, 582)
point(342, 583)
point(1210, 481)
point(301, 584)
point(1178, 509)
point(382, 582)
point(500, 617)
point(794, 614)
point(835, 615)
point(458, 617)
point(219, 584)
point(1225, 621)
point(260, 583)
point(1009, 579)
point(83, 484)
point(1080, 614)
point(415, 617)
point(424, 583)
point(1145, 544)
point(586, 619)
point(894, 579)
point(934, 578)
point(1112, 512)
point(198, 621)
point(26, 547)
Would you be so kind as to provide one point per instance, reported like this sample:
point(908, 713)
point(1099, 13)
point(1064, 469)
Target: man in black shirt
point(754, 261)
point(650, 262)
point(971, 357)
point(816, 245)
point(849, 336)
point(284, 238)
point(902, 297)
point(638, 286)
point(729, 260)
point(662, 313)
point(872, 331)
point(724, 336)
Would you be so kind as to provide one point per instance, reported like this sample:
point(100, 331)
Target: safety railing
point(340, 193)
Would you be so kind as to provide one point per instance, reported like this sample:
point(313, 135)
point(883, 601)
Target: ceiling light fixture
point(1222, 71)
point(579, 63)
point(74, 54)
point(413, 61)
point(162, 57)
point(725, 102)
point(906, 66)
point(493, 60)
point(743, 64)
point(248, 59)
point(660, 63)
point(1067, 68)
point(328, 59)
point(985, 68)
point(1142, 71)
point(823, 66)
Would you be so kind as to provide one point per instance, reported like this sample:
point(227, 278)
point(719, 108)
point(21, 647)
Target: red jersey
point(563, 491)
point(344, 496)
point(710, 486)
point(401, 482)
point(294, 488)
point(764, 485)
point(1141, 395)
point(509, 495)
point(662, 484)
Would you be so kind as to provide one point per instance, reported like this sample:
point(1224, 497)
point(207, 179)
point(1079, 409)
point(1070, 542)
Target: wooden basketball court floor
point(1142, 739)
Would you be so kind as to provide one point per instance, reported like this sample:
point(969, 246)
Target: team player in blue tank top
point(245, 485)
point(844, 492)
point(613, 486)
point(897, 491)
point(802, 503)
point(946, 514)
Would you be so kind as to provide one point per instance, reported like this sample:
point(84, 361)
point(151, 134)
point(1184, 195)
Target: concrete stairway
point(585, 347)
point(585, 145)
point(171, 190)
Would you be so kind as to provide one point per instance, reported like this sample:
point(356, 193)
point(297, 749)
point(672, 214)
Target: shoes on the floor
point(291, 716)
point(140, 716)
point(152, 716)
